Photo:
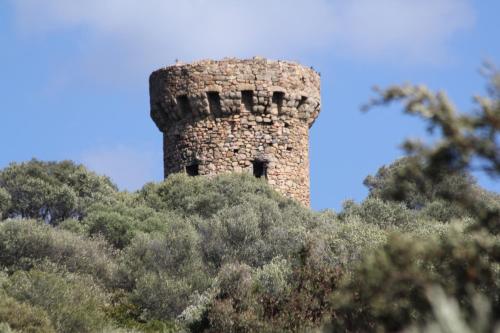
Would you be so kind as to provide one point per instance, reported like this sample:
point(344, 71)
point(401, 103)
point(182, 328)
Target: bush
point(74, 303)
point(343, 244)
point(23, 317)
point(443, 211)
point(204, 197)
point(459, 263)
point(255, 232)
point(119, 222)
point(53, 191)
point(5, 328)
point(73, 225)
point(273, 280)
point(385, 214)
point(397, 182)
point(25, 243)
point(163, 269)
point(160, 296)
point(4, 202)
point(363, 305)
point(234, 308)
point(175, 252)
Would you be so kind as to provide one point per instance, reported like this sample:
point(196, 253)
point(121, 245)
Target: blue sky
point(74, 74)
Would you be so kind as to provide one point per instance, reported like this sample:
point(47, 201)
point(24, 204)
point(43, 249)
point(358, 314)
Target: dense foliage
point(420, 254)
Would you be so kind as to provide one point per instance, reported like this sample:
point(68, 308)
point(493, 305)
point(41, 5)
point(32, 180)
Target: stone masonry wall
point(220, 116)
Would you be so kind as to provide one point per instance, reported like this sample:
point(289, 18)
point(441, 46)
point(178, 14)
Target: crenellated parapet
point(238, 115)
point(221, 88)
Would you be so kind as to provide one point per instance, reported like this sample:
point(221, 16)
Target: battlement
point(238, 116)
point(265, 88)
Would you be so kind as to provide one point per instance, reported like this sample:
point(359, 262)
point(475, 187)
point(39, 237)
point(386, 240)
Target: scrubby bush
point(273, 280)
point(342, 244)
point(74, 226)
point(161, 296)
point(385, 214)
point(255, 232)
point(204, 197)
point(4, 202)
point(53, 191)
point(175, 251)
point(386, 291)
point(394, 183)
point(74, 303)
point(120, 222)
point(23, 244)
point(22, 317)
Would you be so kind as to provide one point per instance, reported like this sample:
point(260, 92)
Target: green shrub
point(408, 266)
point(255, 232)
point(175, 251)
point(203, 196)
point(386, 291)
point(234, 307)
point(24, 243)
point(343, 243)
point(5, 328)
point(119, 222)
point(398, 182)
point(23, 317)
point(160, 296)
point(163, 269)
point(5, 202)
point(74, 226)
point(116, 228)
point(385, 214)
point(273, 280)
point(74, 303)
point(443, 211)
point(53, 191)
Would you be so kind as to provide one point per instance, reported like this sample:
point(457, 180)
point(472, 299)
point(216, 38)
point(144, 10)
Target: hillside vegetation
point(420, 254)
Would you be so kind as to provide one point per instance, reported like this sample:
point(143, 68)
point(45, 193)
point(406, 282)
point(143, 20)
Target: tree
point(463, 263)
point(468, 141)
point(4, 202)
point(53, 191)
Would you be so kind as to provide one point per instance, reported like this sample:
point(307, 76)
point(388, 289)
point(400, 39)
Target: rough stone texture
point(225, 115)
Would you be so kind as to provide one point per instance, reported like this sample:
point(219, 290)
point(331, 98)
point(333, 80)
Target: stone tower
point(238, 115)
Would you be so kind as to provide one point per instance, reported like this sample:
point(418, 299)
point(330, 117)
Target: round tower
point(238, 115)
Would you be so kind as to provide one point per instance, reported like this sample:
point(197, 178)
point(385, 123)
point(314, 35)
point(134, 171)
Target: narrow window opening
point(183, 103)
point(302, 101)
point(277, 100)
point(247, 100)
point(236, 151)
point(287, 125)
point(193, 170)
point(214, 102)
point(260, 169)
point(289, 148)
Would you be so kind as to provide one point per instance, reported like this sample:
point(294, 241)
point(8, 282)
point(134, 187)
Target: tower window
point(277, 100)
point(247, 99)
point(183, 103)
point(302, 101)
point(214, 102)
point(260, 169)
point(193, 170)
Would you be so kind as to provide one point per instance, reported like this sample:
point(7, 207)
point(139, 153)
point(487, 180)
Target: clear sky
point(74, 74)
